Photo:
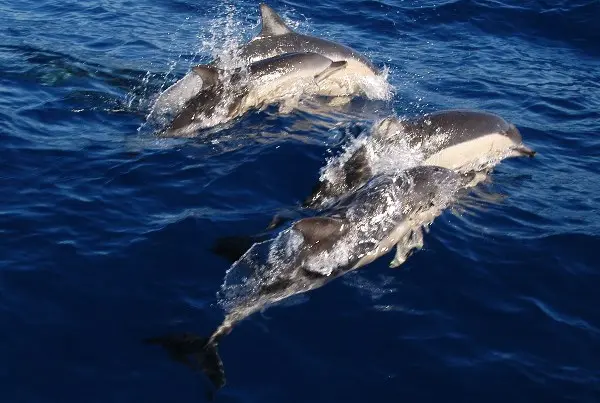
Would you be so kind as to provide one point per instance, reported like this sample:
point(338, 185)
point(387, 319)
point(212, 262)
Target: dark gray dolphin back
point(318, 229)
point(424, 186)
point(298, 43)
point(205, 102)
point(459, 125)
point(319, 233)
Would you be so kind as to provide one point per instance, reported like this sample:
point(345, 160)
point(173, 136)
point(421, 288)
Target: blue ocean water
point(107, 229)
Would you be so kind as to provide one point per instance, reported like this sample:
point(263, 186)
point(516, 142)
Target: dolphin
point(227, 95)
point(275, 39)
point(462, 140)
point(311, 252)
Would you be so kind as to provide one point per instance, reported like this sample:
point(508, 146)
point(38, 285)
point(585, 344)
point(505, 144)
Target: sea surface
point(107, 229)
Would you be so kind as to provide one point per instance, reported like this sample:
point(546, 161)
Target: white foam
point(383, 158)
point(377, 87)
point(262, 264)
point(371, 222)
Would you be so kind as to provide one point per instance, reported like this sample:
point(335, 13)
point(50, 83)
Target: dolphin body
point(362, 226)
point(227, 95)
point(274, 39)
point(461, 140)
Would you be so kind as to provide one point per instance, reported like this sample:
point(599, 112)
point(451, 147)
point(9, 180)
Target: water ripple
point(107, 228)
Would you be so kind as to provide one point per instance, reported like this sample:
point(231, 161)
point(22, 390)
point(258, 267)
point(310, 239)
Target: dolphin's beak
point(524, 150)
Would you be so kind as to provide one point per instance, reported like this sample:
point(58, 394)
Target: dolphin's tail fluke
point(199, 353)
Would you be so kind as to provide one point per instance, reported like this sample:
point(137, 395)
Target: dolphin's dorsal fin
point(319, 229)
point(272, 23)
point(209, 74)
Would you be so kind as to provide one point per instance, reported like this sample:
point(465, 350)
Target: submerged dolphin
point(227, 95)
point(361, 227)
point(461, 140)
point(274, 39)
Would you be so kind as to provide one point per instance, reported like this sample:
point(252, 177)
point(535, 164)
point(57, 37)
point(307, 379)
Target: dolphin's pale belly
point(473, 154)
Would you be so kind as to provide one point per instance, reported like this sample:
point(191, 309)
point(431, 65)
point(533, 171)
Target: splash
point(225, 36)
point(382, 157)
point(262, 265)
point(377, 87)
point(388, 204)
point(144, 95)
point(219, 42)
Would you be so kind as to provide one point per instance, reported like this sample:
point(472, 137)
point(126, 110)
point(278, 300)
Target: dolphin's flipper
point(272, 23)
point(333, 67)
point(209, 74)
point(196, 352)
point(406, 246)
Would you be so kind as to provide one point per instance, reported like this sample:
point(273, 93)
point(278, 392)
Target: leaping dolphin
point(274, 39)
point(226, 95)
point(388, 210)
point(461, 140)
